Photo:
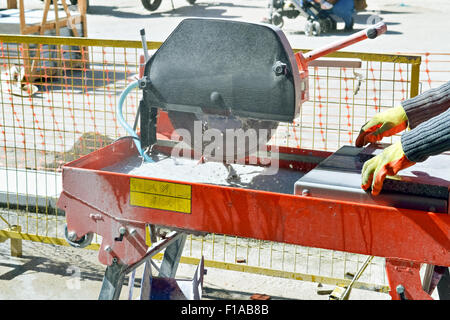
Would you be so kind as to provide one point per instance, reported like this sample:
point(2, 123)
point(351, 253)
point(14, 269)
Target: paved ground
point(412, 25)
point(53, 272)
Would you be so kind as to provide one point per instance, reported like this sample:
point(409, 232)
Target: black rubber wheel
point(191, 1)
point(316, 28)
point(84, 241)
point(151, 5)
point(277, 20)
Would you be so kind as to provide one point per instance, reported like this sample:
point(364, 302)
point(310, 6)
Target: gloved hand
point(389, 162)
point(383, 124)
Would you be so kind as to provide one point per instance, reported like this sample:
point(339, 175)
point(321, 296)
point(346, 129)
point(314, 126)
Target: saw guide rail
point(122, 199)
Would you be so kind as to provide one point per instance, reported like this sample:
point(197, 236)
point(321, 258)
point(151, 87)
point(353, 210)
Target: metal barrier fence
point(65, 108)
point(435, 69)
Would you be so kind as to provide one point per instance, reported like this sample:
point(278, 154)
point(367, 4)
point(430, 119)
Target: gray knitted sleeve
point(427, 105)
point(428, 138)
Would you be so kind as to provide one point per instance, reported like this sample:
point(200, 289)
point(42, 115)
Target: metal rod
point(144, 45)
point(356, 277)
point(156, 248)
point(154, 265)
point(371, 33)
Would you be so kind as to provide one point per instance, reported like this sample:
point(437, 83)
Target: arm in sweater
point(429, 138)
point(427, 105)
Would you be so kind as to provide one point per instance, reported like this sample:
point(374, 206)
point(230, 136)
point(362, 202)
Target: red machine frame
point(406, 238)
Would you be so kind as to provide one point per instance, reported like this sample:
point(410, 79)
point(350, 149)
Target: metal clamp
point(144, 83)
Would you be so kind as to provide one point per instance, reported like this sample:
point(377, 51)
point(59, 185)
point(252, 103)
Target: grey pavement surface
point(413, 25)
point(64, 273)
point(54, 272)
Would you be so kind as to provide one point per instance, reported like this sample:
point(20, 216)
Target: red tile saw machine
point(212, 76)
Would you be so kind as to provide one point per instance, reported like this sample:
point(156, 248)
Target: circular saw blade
point(223, 138)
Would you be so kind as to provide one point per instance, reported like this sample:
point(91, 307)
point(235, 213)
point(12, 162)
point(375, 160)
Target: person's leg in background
point(344, 9)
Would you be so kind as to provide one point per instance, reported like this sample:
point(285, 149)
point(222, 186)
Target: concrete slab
point(29, 187)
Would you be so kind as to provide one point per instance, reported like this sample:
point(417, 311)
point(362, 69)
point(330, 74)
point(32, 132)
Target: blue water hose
point(124, 124)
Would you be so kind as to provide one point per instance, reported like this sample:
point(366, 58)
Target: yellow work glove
point(387, 163)
point(383, 124)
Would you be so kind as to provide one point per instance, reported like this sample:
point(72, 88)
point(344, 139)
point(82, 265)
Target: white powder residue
point(192, 171)
point(189, 170)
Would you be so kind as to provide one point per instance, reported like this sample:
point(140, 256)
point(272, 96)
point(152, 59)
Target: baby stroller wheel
point(151, 5)
point(308, 28)
point(277, 20)
point(333, 24)
point(326, 25)
point(316, 28)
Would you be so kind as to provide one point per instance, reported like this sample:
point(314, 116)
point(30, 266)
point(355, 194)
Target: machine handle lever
point(376, 30)
point(369, 33)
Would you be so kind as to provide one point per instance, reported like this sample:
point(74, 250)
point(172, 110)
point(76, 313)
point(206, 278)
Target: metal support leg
point(16, 243)
point(113, 281)
point(146, 282)
point(433, 276)
point(131, 284)
point(405, 275)
point(427, 277)
point(115, 273)
point(171, 259)
point(443, 286)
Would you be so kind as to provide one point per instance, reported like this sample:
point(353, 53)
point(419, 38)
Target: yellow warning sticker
point(160, 195)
